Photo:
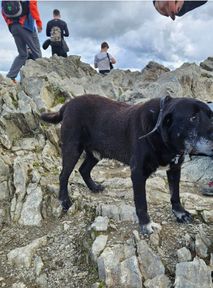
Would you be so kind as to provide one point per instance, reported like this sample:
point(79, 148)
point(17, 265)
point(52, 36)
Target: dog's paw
point(183, 216)
point(148, 229)
point(96, 188)
point(66, 204)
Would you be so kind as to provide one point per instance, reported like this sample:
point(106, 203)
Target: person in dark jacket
point(60, 48)
point(174, 8)
point(25, 36)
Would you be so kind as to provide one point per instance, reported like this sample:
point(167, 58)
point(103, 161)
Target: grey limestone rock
point(122, 212)
point(207, 64)
point(98, 246)
point(100, 224)
point(193, 274)
point(130, 275)
point(23, 256)
point(108, 265)
point(31, 211)
point(19, 285)
point(150, 263)
point(184, 255)
point(161, 281)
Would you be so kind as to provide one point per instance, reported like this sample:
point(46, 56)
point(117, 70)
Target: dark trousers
point(23, 39)
point(58, 50)
point(104, 71)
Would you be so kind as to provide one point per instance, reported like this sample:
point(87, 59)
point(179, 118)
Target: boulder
point(98, 246)
point(184, 255)
point(150, 263)
point(161, 281)
point(130, 275)
point(193, 274)
point(100, 224)
point(23, 256)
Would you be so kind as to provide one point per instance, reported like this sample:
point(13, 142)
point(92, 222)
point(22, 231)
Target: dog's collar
point(178, 157)
point(157, 125)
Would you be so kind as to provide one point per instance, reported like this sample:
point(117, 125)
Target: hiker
point(179, 8)
point(103, 60)
point(20, 17)
point(57, 30)
point(174, 8)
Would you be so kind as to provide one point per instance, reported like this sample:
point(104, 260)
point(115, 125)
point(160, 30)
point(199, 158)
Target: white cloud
point(135, 32)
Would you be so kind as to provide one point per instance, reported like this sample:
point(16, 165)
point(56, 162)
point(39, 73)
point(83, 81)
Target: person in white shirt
point(104, 60)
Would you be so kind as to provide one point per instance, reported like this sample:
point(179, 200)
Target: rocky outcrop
point(48, 82)
point(41, 246)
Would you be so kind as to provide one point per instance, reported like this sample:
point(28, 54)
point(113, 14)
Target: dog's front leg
point(173, 175)
point(139, 182)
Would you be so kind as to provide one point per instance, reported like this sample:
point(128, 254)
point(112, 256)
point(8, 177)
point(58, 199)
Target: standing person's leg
point(55, 50)
point(62, 52)
point(32, 41)
point(52, 49)
point(20, 60)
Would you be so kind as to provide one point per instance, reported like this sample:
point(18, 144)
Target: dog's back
point(85, 104)
point(98, 122)
point(104, 125)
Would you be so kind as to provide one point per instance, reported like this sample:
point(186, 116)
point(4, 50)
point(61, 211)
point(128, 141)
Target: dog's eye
point(193, 118)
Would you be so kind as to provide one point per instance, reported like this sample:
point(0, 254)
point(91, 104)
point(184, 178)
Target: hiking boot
point(13, 79)
point(207, 189)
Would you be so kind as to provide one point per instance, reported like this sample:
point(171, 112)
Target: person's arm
point(190, 5)
point(35, 14)
point(48, 30)
point(65, 31)
point(174, 8)
point(95, 62)
point(112, 59)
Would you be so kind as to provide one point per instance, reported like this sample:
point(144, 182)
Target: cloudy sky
point(136, 33)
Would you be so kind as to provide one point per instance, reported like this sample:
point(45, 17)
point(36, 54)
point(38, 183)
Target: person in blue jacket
point(24, 33)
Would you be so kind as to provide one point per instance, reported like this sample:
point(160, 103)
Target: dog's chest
point(165, 162)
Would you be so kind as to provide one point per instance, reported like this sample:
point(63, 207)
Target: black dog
point(144, 136)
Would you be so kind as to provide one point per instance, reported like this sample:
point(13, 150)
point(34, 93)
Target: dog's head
point(186, 125)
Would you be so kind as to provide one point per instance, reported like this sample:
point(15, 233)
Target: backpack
point(15, 9)
point(55, 36)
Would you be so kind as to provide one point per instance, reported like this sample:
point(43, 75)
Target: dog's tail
point(54, 117)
